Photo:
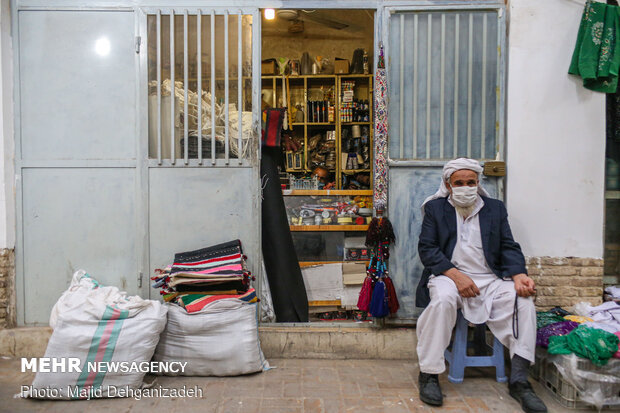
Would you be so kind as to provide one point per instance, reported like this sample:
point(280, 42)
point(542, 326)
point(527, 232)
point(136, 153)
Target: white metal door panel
point(191, 208)
point(77, 84)
point(76, 218)
point(446, 99)
point(76, 146)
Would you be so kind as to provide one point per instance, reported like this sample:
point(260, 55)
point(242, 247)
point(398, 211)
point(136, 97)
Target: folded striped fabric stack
point(197, 278)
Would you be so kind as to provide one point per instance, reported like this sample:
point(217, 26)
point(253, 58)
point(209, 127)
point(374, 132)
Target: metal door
point(446, 100)
point(76, 173)
point(97, 186)
point(200, 148)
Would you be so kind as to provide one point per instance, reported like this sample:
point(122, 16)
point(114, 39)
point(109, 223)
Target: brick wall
point(7, 288)
point(565, 281)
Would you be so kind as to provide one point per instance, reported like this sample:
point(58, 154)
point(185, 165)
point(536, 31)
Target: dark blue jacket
point(438, 239)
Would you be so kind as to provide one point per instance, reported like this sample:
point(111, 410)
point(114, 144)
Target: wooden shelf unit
point(305, 264)
point(300, 85)
point(328, 192)
point(301, 228)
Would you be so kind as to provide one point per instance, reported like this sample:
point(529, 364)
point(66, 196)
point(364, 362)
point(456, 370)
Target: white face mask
point(464, 196)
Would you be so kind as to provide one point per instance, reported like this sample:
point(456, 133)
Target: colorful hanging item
point(596, 58)
point(378, 295)
point(381, 135)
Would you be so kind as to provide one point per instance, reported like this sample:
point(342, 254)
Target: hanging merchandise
point(363, 302)
point(597, 52)
point(271, 126)
point(357, 62)
point(381, 134)
point(379, 302)
point(378, 295)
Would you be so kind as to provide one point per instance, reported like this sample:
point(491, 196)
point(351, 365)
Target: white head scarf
point(448, 169)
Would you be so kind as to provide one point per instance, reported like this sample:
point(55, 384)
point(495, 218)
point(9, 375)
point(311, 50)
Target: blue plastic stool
point(458, 358)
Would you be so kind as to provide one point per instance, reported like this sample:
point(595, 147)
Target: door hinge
point(140, 279)
point(138, 42)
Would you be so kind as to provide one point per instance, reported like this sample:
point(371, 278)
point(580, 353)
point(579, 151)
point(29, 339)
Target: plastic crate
point(561, 390)
point(537, 370)
point(565, 393)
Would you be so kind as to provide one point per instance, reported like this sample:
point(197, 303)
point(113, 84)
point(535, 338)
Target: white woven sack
point(219, 340)
point(97, 323)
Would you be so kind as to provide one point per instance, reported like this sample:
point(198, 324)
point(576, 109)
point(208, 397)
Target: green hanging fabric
point(597, 52)
point(591, 343)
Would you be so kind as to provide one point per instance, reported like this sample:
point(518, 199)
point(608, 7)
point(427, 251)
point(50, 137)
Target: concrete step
point(277, 341)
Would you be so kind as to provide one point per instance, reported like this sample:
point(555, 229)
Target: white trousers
point(434, 327)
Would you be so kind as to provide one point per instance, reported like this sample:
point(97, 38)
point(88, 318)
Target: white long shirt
point(468, 257)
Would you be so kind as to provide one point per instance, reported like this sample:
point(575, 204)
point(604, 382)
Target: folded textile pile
point(612, 293)
point(197, 278)
point(605, 316)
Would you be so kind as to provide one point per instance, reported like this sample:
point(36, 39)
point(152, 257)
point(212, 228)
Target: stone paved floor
point(294, 386)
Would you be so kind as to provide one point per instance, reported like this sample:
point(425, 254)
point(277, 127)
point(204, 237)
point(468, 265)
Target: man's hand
point(466, 286)
point(524, 285)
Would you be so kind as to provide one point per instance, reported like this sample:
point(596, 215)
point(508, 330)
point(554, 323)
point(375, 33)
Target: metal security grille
point(445, 74)
point(200, 87)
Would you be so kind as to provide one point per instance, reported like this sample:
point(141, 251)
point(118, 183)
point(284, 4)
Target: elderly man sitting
point(472, 263)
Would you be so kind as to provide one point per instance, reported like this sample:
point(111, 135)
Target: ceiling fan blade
point(326, 22)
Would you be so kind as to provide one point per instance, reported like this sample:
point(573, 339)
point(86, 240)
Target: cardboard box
point(341, 66)
point(268, 67)
point(353, 273)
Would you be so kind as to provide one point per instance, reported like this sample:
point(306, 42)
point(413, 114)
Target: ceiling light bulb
point(270, 14)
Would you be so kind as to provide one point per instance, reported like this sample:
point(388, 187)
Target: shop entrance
point(319, 64)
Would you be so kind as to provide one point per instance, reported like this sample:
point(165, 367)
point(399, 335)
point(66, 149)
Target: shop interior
point(318, 64)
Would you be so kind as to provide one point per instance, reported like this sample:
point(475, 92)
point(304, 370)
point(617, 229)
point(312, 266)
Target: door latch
point(140, 279)
point(494, 168)
point(138, 42)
